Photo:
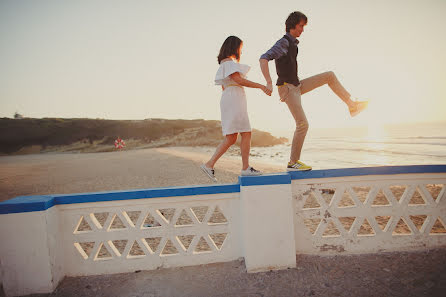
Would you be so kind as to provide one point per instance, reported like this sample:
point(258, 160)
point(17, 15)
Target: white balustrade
point(265, 219)
point(145, 234)
point(369, 214)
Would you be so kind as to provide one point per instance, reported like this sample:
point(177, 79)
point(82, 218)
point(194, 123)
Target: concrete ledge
point(263, 180)
point(26, 204)
point(380, 170)
point(39, 203)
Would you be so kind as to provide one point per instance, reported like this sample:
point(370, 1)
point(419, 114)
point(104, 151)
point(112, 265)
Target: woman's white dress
point(233, 105)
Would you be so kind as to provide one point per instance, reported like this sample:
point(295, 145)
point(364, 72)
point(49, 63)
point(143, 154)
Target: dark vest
point(286, 66)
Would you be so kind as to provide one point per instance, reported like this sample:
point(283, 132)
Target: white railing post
point(29, 252)
point(267, 222)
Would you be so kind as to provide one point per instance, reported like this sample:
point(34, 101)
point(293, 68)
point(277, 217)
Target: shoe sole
point(355, 113)
point(207, 173)
point(292, 169)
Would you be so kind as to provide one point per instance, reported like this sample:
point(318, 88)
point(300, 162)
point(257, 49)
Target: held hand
point(269, 86)
point(266, 90)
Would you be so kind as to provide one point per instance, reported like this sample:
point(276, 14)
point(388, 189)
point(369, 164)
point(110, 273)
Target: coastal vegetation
point(31, 135)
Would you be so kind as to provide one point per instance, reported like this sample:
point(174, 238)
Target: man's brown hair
point(293, 19)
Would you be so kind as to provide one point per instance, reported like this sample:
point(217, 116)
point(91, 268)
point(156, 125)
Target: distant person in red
point(284, 52)
point(231, 75)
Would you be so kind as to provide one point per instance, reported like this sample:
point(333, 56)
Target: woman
point(231, 75)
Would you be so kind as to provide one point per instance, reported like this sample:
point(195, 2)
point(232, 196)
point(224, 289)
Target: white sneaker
point(251, 172)
point(209, 171)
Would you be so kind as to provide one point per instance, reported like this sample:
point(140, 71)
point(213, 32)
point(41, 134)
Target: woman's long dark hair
point(230, 48)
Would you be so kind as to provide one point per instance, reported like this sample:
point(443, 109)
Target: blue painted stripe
point(147, 193)
point(261, 180)
point(39, 203)
point(26, 204)
point(381, 170)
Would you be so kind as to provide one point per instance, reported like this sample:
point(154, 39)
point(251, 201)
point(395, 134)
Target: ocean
point(396, 144)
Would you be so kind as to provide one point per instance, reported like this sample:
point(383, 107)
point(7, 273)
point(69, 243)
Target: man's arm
point(278, 50)
point(265, 70)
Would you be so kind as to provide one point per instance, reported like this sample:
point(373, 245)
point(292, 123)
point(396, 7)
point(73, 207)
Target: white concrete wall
point(28, 254)
point(265, 224)
point(76, 265)
point(267, 227)
point(350, 242)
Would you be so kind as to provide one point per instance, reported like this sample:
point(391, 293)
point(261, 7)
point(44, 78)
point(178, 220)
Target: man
point(290, 88)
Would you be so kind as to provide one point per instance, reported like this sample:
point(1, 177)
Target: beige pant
point(291, 94)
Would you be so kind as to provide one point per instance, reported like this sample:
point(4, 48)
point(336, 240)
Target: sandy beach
point(63, 173)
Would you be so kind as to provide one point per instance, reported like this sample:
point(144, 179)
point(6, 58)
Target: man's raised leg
point(329, 78)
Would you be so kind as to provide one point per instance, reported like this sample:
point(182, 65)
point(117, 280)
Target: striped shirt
point(279, 49)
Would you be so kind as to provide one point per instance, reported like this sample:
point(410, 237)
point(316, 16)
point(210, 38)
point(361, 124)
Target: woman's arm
point(250, 84)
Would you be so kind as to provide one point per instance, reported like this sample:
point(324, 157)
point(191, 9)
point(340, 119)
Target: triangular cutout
point(398, 191)
point(382, 221)
point(136, 250)
point(150, 222)
point(119, 246)
point(346, 200)
point(438, 227)
point(217, 217)
point(133, 216)
point(347, 222)
point(218, 239)
point(312, 224)
point(169, 249)
point(361, 193)
point(184, 219)
point(167, 213)
point(418, 220)
point(311, 202)
point(100, 218)
point(380, 199)
point(202, 246)
point(327, 194)
point(200, 212)
point(153, 243)
point(117, 223)
point(185, 241)
point(103, 253)
point(417, 198)
point(82, 226)
point(401, 228)
point(435, 190)
point(366, 229)
point(331, 230)
point(84, 248)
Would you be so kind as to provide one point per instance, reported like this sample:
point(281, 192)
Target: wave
point(368, 150)
point(343, 140)
point(422, 137)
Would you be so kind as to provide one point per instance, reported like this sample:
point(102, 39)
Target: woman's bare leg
point(229, 140)
point(245, 147)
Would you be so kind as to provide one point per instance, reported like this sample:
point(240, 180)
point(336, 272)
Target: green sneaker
point(298, 166)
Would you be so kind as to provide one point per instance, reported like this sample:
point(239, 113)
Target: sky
point(157, 59)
